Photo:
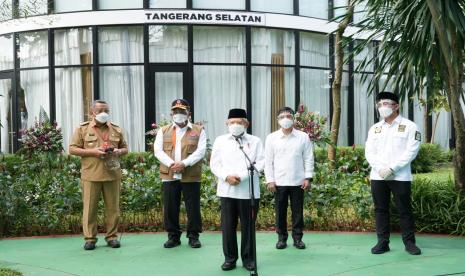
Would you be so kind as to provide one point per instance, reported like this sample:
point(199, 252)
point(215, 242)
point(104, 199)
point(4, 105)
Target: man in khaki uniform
point(180, 147)
point(99, 143)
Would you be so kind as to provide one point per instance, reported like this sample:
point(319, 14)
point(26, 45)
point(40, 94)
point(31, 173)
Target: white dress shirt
point(392, 146)
point(227, 159)
point(288, 158)
point(195, 157)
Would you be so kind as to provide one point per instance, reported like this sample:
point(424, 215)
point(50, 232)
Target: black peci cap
point(237, 113)
point(387, 96)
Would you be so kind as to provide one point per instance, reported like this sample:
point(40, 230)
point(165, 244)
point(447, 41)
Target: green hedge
point(41, 196)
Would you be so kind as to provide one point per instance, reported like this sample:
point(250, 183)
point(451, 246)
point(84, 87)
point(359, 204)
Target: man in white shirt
point(180, 148)
point(391, 146)
point(229, 165)
point(289, 167)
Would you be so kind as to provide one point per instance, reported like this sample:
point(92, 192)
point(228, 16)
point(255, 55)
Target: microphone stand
point(253, 216)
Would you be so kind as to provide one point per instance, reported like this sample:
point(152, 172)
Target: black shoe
point(250, 266)
point(380, 248)
point(114, 243)
point(172, 243)
point(228, 266)
point(299, 244)
point(281, 244)
point(411, 248)
point(194, 243)
point(89, 245)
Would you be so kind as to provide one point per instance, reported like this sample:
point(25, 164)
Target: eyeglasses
point(288, 116)
point(380, 104)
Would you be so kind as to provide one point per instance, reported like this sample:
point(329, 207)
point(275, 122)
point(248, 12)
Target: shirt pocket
point(168, 148)
point(90, 142)
point(400, 139)
point(114, 141)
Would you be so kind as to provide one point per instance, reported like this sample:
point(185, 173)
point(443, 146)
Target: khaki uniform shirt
point(86, 137)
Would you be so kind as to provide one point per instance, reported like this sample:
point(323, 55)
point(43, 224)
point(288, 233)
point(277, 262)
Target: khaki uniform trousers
point(91, 191)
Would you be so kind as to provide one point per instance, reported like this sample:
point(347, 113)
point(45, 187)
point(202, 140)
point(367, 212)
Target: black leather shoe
point(299, 244)
point(281, 244)
point(172, 243)
point(89, 245)
point(411, 248)
point(249, 266)
point(194, 243)
point(114, 243)
point(380, 248)
point(228, 266)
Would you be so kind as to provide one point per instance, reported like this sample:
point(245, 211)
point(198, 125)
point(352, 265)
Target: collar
point(282, 135)
point(189, 125)
point(94, 124)
point(397, 120)
point(244, 136)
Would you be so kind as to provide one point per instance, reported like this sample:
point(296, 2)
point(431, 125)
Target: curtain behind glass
point(364, 106)
point(315, 90)
point(33, 94)
point(219, 44)
point(314, 50)
point(162, 4)
point(264, 96)
point(343, 137)
point(73, 46)
point(6, 54)
point(123, 88)
point(314, 8)
point(266, 42)
point(69, 5)
point(168, 43)
point(168, 87)
point(367, 52)
point(121, 45)
point(216, 90)
point(277, 6)
point(5, 115)
point(32, 7)
point(443, 128)
point(120, 4)
point(219, 4)
point(33, 49)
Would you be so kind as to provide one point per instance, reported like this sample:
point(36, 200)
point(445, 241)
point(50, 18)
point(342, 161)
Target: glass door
point(6, 113)
point(167, 83)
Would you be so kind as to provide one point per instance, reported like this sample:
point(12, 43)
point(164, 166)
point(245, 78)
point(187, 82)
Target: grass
point(9, 272)
point(445, 173)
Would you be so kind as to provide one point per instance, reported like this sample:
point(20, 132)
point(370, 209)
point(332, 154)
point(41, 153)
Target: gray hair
point(94, 103)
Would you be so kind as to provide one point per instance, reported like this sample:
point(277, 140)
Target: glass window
point(73, 99)
point(314, 50)
point(168, 43)
point(315, 90)
point(343, 138)
point(73, 46)
point(32, 7)
point(123, 88)
point(339, 7)
point(180, 4)
point(216, 90)
point(33, 49)
point(168, 86)
point(272, 89)
point(121, 44)
point(278, 6)
point(368, 54)
point(6, 116)
point(364, 108)
point(33, 96)
point(219, 4)
point(120, 4)
point(271, 46)
point(314, 8)
point(359, 12)
point(67, 5)
point(6, 10)
point(6, 54)
point(219, 44)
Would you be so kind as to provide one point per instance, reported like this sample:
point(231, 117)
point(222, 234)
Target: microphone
point(238, 140)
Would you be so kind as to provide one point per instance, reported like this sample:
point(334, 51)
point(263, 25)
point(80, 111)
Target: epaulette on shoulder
point(113, 124)
point(85, 123)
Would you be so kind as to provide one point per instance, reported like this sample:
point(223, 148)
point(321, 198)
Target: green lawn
point(440, 174)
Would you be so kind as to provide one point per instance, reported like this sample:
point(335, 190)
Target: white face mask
point(385, 111)
point(102, 117)
point(236, 129)
point(179, 118)
point(286, 123)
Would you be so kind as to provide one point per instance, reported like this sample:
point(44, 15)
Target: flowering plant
point(152, 133)
point(314, 124)
point(43, 137)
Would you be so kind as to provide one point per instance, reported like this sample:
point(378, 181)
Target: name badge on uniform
point(378, 129)
point(417, 136)
point(401, 128)
point(193, 134)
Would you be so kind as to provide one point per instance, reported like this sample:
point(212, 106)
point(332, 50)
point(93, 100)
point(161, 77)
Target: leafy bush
point(9, 272)
point(429, 157)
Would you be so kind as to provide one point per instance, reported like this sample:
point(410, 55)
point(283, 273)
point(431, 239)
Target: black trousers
point(401, 190)
point(171, 205)
point(233, 209)
point(294, 194)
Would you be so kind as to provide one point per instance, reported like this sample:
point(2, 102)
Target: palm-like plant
point(420, 38)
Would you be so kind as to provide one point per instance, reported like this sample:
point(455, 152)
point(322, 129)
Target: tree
point(418, 39)
point(336, 85)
